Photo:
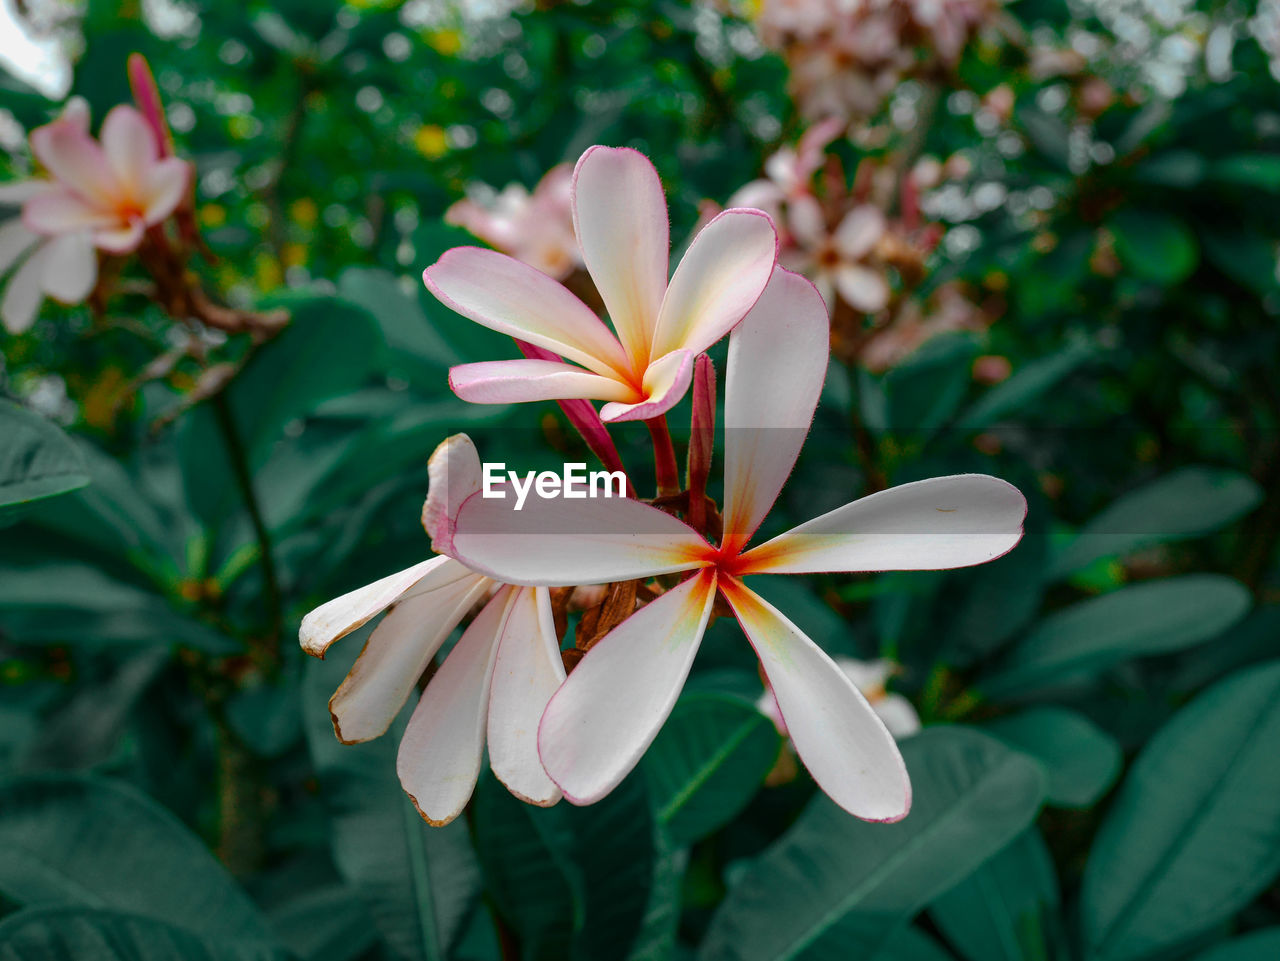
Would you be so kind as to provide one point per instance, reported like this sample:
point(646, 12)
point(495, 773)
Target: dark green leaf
point(1194, 834)
point(1261, 945)
point(1155, 245)
point(330, 924)
point(1259, 171)
point(1027, 385)
point(835, 887)
point(90, 934)
point(37, 460)
point(1081, 759)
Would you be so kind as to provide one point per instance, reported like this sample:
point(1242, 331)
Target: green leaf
point(1245, 254)
point(329, 924)
point(707, 763)
point(909, 943)
point(1014, 395)
point(573, 882)
point(411, 340)
point(1138, 621)
point(63, 933)
point(419, 883)
point(1155, 245)
point(1081, 759)
point(1007, 910)
point(37, 460)
point(656, 939)
point(1261, 945)
point(99, 844)
point(1259, 171)
point(1188, 502)
point(836, 887)
point(1194, 835)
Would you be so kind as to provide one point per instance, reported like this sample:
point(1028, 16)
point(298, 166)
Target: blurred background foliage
point(1097, 779)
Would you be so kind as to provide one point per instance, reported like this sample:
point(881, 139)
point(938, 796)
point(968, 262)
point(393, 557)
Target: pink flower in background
point(837, 261)
point(785, 193)
point(496, 681)
point(870, 678)
point(644, 365)
point(602, 719)
point(536, 228)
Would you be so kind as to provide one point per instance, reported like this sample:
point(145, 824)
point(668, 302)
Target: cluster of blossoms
point(574, 723)
point(865, 263)
point(847, 56)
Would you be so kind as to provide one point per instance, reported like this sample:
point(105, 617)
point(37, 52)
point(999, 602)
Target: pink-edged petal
point(527, 672)
point(15, 240)
point(717, 281)
point(396, 654)
point(129, 146)
point(342, 615)
point(70, 154)
point(440, 753)
point(927, 525)
point(552, 541)
point(518, 381)
point(503, 294)
point(71, 268)
point(665, 382)
point(610, 709)
point(453, 475)
point(859, 231)
point(60, 211)
point(777, 363)
point(163, 186)
point(24, 293)
point(22, 191)
point(123, 239)
point(620, 216)
point(836, 733)
point(862, 288)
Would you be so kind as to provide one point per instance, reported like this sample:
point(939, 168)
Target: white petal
point(163, 186)
point(344, 614)
point(528, 671)
point(717, 281)
point(440, 753)
point(21, 191)
point(859, 231)
point(927, 525)
point(453, 475)
point(396, 654)
point(522, 381)
point(554, 541)
point(24, 292)
point(837, 735)
point(620, 216)
point(665, 383)
point(899, 715)
point(129, 146)
point(862, 288)
point(71, 270)
point(777, 363)
point(15, 240)
point(612, 706)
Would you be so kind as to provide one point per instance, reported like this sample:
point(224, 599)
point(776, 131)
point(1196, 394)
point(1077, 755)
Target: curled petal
point(928, 525)
point(527, 673)
point(517, 381)
point(612, 706)
point(777, 363)
point(503, 294)
point(440, 753)
point(453, 475)
point(71, 268)
point(396, 654)
point(836, 733)
point(557, 540)
point(665, 382)
point(620, 216)
point(342, 615)
point(720, 277)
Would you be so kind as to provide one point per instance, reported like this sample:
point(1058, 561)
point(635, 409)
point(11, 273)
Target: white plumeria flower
point(870, 677)
point(643, 367)
point(836, 261)
point(496, 681)
point(598, 725)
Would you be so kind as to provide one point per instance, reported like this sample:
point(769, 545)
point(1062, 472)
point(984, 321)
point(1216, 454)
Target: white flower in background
point(869, 677)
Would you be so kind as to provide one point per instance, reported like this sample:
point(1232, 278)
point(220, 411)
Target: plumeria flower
point(643, 366)
point(63, 266)
point(785, 193)
point(837, 261)
point(496, 681)
point(602, 719)
point(870, 677)
point(535, 228)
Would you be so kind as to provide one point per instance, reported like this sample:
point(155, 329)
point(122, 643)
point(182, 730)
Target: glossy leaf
point(37, 460)
point(1081, 760)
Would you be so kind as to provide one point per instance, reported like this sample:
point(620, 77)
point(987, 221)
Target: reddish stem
point(664, 456)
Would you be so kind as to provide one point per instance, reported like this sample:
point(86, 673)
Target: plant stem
point(269, 652)
point(664, 456)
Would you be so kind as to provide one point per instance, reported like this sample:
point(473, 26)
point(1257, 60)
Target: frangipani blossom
point(643, 366)
point(535, 228)
point(870, 677)
point(836, 262)
point(606, 714)
point(492, 687)
point(114, 189)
